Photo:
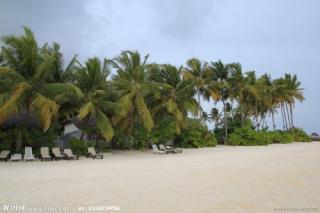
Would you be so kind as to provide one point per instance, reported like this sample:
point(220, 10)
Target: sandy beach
point(220, 179)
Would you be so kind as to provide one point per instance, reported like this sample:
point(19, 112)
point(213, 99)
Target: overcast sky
point(274, 36)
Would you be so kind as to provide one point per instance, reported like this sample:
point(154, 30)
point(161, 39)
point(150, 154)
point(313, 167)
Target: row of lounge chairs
point(162, 149)
point(45, 154)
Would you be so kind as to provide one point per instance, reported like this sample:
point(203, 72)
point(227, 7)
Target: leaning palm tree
point(28, 91)
point(95, 106)
point(132, 87)
point(176, 95)
point(201, 75)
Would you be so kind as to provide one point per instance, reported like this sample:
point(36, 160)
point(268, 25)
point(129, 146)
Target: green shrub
point(301, 136)
point(30, 137)
point(196, 135)
point(249, 137)
point(79, 147)
point(282, 137)
point(100, 145)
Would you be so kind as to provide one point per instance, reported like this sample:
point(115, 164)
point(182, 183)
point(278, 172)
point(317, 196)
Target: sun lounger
point(5, 155)
point(163, 148)
point(16, 157)
point(176, 150)
point(57, 153)
point(69, 155)
point(155, 150)
point(44, 154)
point(92, 153)
point(28, 156)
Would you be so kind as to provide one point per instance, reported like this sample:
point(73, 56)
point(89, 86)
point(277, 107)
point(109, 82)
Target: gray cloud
point(267, 36)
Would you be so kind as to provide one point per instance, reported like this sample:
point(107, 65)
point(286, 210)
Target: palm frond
point(104, 125)
point(45, 109)
point(13, 103)
point(86, 110)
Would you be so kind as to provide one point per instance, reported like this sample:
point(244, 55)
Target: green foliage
point(282, 137)
point(301, 136)
point(249, 137)
point(33, 137)
point(100, 145)
point(196, 135)
point(163, 132)
point(80, 147)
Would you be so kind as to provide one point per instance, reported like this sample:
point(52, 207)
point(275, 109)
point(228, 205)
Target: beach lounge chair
point(57, 153)
point(176, 150)
point(156, 150)
point(28, 154)
point(163, 148)
point(16, 157)
point(44, 154)
point(92, 153)
point(69, 155)
point(5, 155)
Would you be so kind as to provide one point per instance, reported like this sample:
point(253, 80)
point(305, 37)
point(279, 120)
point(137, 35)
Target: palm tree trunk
point(272, 115)
point(291, 113)
point(283, 125)
point(82, 135)
point(284, 116)
point(19, 141)
point(199, 102)
point(257, 118)
point(288, 115)
point(225, 122)
point(242, 116)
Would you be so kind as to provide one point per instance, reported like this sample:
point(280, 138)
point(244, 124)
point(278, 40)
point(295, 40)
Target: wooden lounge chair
point(156, 150)
point(57, 153)
point(44, 154)
point(16, 157)
point(5, 155)
point(176, 150)
point(28, 155)
point(69, 155)
point(92, 153)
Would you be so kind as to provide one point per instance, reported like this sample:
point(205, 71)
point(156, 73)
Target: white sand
point(220, 179)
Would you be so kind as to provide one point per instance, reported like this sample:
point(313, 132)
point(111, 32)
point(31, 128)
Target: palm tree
point(215, 116)
point(92, 80)
point(176, 95)
point(239, 87)
point(27, 73)
point(132, 87)
point(61, 73)
point(295, 91)
point(201, 75)
point(221, 76)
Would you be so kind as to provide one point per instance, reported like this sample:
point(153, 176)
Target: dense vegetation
point(141, 103)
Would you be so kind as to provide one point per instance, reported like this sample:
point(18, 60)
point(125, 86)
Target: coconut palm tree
point(95, 106)
point(215, 116)
point(201, 75)
point(133, 88)
point(60, 72)
point(29, 94)
point(27, 73)
point(221, 75)
point(295, 91)
point(176, 95)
